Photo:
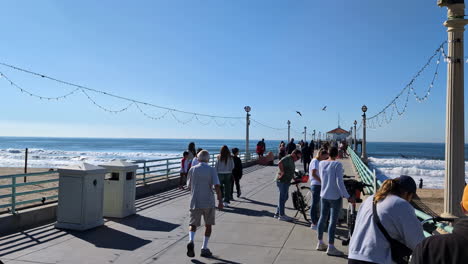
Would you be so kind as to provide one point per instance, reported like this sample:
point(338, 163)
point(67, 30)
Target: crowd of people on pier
point(386, 229)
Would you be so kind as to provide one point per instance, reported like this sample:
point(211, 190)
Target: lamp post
point(247, 122)
point(364, 152)
point(454, 119)
point(313, 135)
point(355, 137)
point(305, 134)
point(289, 131)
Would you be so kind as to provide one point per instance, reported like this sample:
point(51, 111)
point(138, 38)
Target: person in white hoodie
point(224, 166)
point(368, 243)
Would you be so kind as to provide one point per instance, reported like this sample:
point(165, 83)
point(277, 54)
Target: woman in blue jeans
point(333, 190)
point(315, 186)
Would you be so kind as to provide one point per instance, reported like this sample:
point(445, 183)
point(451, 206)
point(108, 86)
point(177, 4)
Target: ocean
point(420, 160)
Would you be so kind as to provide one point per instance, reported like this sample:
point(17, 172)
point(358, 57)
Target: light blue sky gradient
point(215, 57)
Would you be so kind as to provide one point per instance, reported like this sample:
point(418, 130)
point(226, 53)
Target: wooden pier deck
point(244, 233)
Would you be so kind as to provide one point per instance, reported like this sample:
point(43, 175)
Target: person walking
point(390, 207)
point(236, 172)
point(446, 249)
point(306, 156)
point(331, 193)
point(195, 160)
point(261, 147)
point(224, 166)
point(184, 167)
point(192, 153)
point(291, 146)
point(286, 168)
point(312, 146)
point(200, 181)
point(315, 186)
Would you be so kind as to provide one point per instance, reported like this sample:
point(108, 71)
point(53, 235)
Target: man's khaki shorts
point(208, 216)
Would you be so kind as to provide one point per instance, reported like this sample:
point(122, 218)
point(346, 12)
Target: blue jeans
point(314, 217)
point(333, 207)
point(283, 196)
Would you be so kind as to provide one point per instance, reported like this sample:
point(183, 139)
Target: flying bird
point(324, 108)
point(299, 113)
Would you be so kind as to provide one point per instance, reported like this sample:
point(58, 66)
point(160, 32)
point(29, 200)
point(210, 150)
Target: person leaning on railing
point(396, 215)
point(446, 249)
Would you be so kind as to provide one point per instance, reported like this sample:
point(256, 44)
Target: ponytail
point(390, 186)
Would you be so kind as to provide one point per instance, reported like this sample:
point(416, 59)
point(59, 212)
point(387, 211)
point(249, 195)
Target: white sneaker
point(276, 216)
point(226, 204)
point(333, 251)
point(285, 218)
point(321, 247)
point(313, 227)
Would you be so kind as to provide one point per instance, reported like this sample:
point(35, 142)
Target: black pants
point(235, 181)
point(353, 261)
point(306, 166)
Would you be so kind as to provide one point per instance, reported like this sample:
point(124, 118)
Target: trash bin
point(119, 189)
point(81, 193)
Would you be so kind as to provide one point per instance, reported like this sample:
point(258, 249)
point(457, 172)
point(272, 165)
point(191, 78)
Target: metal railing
point(148, 171)
point(36, 185)
point(369, 177)
point(154, 170)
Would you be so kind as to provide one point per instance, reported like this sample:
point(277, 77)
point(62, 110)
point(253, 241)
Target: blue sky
point(215, 57)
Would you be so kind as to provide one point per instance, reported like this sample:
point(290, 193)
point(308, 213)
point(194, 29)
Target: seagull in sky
point(324, 108)
point(299, 113)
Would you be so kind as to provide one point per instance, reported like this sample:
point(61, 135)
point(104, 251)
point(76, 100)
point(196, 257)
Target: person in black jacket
point(291, 146)
point(446, 249)
point(236, 172)
point(306, 156)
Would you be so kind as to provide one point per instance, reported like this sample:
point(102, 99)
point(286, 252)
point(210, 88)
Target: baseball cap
point(407, 183)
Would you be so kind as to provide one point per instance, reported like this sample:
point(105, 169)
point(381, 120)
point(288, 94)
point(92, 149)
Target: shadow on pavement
point(257, 202)
point(106, 237)
point(141, 222)
point(248, 212)
point(30, 238)
point(155, 199)
point(221, 261)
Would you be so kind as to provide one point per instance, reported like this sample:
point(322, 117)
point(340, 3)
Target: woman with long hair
point(331, 194)
point(395, 213)
point(224, 166)
point(316, 186)
point(281, 150)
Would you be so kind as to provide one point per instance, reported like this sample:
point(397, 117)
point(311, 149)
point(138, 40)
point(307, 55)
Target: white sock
point(191, 236)
point(205, 242)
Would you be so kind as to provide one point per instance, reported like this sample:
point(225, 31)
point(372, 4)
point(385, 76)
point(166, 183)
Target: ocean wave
point(42, 158)
point(432, 172)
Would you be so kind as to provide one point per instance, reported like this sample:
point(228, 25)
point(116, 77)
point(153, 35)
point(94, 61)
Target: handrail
point(368, 177)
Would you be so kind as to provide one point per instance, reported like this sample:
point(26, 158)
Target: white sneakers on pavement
point(333, 251)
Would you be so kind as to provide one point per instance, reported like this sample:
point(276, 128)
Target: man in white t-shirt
point(315, 186)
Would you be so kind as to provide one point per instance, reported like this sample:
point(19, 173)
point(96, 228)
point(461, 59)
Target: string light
point(267, 126)
point(381, 118)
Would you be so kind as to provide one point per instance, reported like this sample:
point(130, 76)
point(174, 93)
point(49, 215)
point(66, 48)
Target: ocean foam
point(431, 171)
point(41, 158)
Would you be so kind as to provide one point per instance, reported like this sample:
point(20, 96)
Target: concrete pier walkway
point(244, 233)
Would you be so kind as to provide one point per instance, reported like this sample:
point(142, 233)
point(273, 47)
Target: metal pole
point(13, 195)
point(454, 122)
point(305, 134)
point(247, 152)
point(26, 164)
point(364, 143)
point(289, 131)
point(355, 136)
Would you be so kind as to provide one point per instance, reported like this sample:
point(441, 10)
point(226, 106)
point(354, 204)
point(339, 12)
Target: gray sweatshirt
point(398, 218)
point(224, 168)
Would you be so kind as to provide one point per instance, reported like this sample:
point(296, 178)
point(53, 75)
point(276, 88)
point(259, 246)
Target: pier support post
point(454, 122)
point(364, 143)
point(247, 124)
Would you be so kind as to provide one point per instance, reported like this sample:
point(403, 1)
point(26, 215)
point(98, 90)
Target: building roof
point(338, 130)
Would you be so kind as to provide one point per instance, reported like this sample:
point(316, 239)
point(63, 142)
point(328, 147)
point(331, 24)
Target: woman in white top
point(315, 185)
point(224, 166)
point(332, 191)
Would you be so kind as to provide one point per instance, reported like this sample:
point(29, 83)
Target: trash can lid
point(82, 168)
point(120, 165)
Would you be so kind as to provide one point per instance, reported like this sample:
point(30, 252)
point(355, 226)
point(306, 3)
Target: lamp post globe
point(364, 108)
point(247, 108)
